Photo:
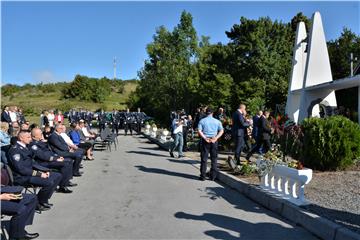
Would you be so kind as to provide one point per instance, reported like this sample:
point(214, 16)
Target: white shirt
point(86, 132)
point(13, 116)
point(177, 129)
point(51, 118)
point(67, 139)
point(21, 144)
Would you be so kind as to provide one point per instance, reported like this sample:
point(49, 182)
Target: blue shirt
point(210, 126)
point(5, 138)
point(75, 137)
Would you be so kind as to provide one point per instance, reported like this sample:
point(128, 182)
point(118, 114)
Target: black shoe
point(64, 190)
point(181, 156)
point(41, 208)
point(201, 178)
point(31, 235)
point(77, 175)
point(70, 184)
point(48, 205)
point(171, 154)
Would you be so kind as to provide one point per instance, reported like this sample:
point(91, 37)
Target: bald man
point(46, 158)
point(26, 172)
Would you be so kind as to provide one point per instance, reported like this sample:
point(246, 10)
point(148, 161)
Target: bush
point(330, 144)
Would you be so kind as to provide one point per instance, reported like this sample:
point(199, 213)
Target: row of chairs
point(107, 138)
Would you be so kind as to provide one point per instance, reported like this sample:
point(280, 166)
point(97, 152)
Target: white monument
point(312, 89)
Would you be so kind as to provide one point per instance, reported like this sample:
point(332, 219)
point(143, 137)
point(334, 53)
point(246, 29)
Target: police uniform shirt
point(42, 152)
point(22, 163)
point(210, 126)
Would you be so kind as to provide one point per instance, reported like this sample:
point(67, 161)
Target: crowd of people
point(48, 156)
point(45, 157)
point(209, 126)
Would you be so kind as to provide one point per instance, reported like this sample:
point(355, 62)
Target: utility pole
point(114, 68)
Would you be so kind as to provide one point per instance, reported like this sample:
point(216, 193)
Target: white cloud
point(46, 76)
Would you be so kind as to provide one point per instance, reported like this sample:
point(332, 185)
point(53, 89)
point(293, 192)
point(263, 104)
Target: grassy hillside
point(33, 101)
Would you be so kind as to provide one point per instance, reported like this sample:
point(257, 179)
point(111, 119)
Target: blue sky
point(54, 41)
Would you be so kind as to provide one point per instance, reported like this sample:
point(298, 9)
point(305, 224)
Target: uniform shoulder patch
point(16, 157)
point(34, 147)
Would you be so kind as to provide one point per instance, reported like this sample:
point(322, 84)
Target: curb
point(319, 226)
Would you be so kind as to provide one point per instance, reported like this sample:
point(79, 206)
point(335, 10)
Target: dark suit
point(60, 147)
point(264, 135)
point(22, 211)
point(238, 132)
point(26, 172)
point(5, 117)
point(47, 158)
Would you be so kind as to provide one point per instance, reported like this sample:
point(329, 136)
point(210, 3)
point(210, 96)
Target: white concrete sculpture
point(303, 102)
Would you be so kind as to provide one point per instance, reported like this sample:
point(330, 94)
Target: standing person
point(59, 118)
point(264, 134)
point(13, 114)
point(255, 130)
point(238, 130)
point(101, 120)
point(220, 115)
point(177, 126)
point(210, 130)
point(51, 118)
point(128, 122)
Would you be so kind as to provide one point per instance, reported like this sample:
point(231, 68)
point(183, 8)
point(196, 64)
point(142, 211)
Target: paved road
point(139, 192)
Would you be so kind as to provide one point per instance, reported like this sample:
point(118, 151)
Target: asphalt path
point(140, 192)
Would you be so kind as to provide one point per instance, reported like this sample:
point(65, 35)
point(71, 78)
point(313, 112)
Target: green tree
point(339, 53)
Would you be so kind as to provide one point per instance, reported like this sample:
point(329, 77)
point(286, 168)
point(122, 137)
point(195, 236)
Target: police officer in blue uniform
point(22, 209)
point(26, 172)
point(210, 130)
point(128, 122)
point(101, 120)
point(46, 158)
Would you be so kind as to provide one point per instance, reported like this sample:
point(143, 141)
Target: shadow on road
point(242, 228)
point(183, 161)
point(146, 153)
point(166, 172)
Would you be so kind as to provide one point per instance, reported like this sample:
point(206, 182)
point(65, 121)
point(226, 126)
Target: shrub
point(331, 143)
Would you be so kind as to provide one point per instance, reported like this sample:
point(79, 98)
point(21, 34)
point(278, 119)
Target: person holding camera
point(177, 126)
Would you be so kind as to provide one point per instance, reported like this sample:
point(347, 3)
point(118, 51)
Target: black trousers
point(185, 134)
point(207, 148)
point(76, 156)
point(128, 126)
point(23, 214)
point(65, 168)
point(239, 145)
point(115, 128)
point(48, 186)
point(264, 143)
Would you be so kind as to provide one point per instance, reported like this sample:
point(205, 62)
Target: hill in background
point(35, 98)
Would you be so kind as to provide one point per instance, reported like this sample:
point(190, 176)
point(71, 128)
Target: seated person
point(87, 134)
point(26, 172)
point(22, 210)
point(75, 137)
point(20, 206)
point(47, 132)
point(60, 147)
point(46, 158)
point(67, 139)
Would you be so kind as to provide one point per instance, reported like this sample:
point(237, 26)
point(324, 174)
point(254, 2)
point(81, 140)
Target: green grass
point(34, 101)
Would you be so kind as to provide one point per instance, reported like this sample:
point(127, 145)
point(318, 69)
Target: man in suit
point(60, 147)
point(264, 135)
point(26, 172)
point(238, 130)
point(46, 158)
point(5, 117)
